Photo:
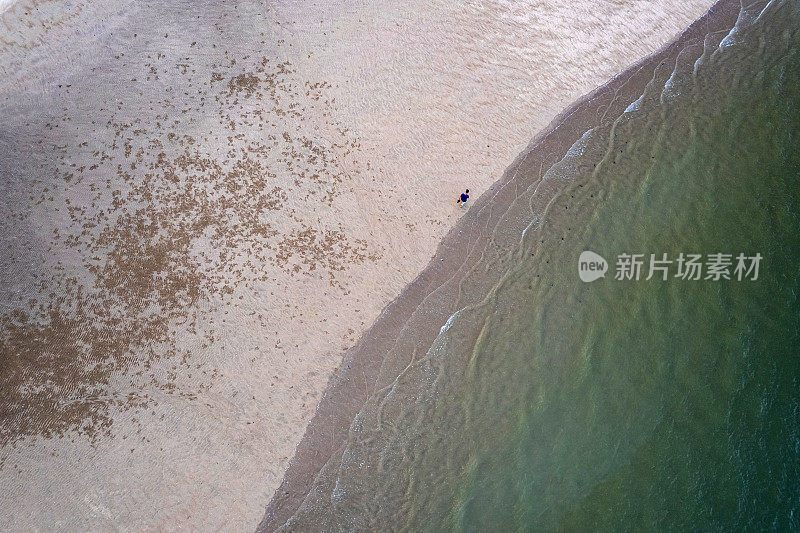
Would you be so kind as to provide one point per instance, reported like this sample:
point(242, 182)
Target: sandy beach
point(205, 206)
point(468, 267)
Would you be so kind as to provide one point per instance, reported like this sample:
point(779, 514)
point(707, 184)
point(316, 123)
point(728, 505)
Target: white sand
point(420, 100)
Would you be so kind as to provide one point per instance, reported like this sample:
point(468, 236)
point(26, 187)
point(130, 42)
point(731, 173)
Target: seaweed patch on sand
point(162, 223)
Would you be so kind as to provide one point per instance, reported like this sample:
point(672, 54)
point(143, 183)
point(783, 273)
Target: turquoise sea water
point(619, 404)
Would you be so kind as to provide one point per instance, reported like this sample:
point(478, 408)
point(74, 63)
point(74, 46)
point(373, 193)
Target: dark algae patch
point(159, 218)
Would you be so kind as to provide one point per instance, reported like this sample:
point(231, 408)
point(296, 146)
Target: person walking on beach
point(464, 198)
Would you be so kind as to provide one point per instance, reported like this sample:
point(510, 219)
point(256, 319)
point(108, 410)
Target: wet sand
point(204, 206)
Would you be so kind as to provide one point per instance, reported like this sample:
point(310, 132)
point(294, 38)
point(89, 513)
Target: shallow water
point(618, 404)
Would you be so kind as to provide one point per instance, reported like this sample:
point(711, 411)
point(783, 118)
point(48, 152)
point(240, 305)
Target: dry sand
point(203, 206)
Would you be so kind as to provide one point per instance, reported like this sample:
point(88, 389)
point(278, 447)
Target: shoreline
point(436, 293)
point(301, 163)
